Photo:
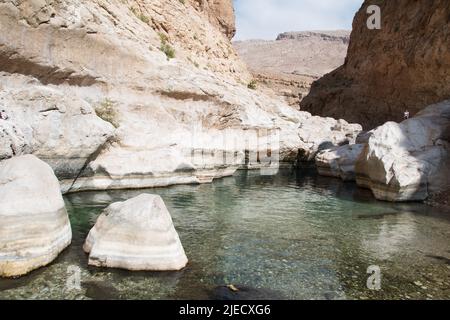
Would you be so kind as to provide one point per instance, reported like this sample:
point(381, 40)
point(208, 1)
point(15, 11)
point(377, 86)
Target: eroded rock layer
point(34, 225)
point(138, 235)
point(134, 94)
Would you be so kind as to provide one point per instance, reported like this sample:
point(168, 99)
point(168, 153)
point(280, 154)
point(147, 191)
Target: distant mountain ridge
point(343, 35)
point(289, 64)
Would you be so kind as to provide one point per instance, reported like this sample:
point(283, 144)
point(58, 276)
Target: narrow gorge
point(139, 136)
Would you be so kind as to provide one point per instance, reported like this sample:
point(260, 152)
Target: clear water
point(292, 236)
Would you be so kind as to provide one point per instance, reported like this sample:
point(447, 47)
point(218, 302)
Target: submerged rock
point(100, 290)
point(138, 235)
point(34, 225)
point(244, 293)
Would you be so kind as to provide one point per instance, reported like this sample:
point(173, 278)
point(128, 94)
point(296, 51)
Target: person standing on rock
point(406, 115)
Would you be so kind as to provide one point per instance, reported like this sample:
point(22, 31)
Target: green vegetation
point(252, 85)
point(107, 112)
point(140, 15)
point(166, 47)
point(163, 37)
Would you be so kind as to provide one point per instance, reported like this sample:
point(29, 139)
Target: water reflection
point(390, 237)
point(295, 235)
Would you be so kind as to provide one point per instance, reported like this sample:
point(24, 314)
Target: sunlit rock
point(137, 234)
point(12, 140)
point(339, 161)
point(34, 225)
point(109, 94)
point(408, 161)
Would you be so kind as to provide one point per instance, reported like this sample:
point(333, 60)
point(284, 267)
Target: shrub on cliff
point(252, 85)
point(166, 47)
point(107, 112)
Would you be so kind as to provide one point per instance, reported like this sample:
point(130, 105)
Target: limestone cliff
point(62, 37)
point(405, 65)
point(129, 94)
point(220, 14)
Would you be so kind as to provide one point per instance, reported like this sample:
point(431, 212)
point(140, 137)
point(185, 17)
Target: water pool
point(295, 235)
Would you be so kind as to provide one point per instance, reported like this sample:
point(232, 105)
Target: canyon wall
point(132, 94)
point(403, 66)
point(220, 14)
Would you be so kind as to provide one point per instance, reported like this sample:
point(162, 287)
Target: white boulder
point(34, 225)
point(339, 162)
point(137, 235)
point(410, 160)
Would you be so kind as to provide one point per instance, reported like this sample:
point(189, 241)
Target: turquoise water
point(291, 236)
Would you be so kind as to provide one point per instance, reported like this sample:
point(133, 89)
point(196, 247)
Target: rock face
point(408, 161)
point(398, 162)
point(339, 162)
point(12, 140)
point(289, 65)
point(135, 94)
point(220, 13)
point(179, 153)
point(405, 65)
point(34, 225)
point(137, 234)
point(62, 130)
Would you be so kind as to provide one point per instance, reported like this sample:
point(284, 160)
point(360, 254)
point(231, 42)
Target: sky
point(265, 19)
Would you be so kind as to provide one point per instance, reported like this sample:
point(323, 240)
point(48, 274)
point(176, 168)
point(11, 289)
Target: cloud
point(265, 19)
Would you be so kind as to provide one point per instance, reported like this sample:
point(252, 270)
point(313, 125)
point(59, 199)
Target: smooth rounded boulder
point(34, 224)
point(339, 162)
point(136, 235)
point(408, 161)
